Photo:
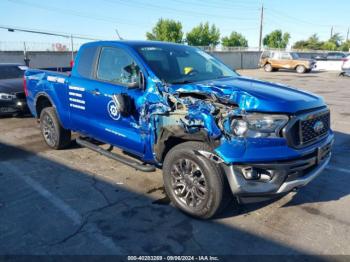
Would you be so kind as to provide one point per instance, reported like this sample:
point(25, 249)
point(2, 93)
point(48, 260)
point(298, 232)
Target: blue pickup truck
point(214, 133)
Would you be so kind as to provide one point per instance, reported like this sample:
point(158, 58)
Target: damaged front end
point(249, 146)
point(217, 116)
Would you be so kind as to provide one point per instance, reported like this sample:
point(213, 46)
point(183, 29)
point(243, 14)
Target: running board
point(117, 157)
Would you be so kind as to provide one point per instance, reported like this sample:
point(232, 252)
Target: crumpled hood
point(254, 95)
point(11, 86)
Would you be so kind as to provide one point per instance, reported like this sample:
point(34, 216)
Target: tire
point(52, 131)
point(300, 69)
point(268, 68)
point(209, 193)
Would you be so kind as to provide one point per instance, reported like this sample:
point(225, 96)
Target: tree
point(329, 45)
point(345, 47)
point(336, 39)
point(312, 43)
point(203, 35)
point(235, 39)
point(276, 39)
point(166, 30)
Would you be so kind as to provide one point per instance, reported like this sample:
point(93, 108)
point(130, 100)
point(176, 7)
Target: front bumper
point(279, 177)
point(13, 106)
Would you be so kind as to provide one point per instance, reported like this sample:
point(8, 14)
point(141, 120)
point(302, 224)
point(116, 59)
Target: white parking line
point(338, 169)
point(64, 207)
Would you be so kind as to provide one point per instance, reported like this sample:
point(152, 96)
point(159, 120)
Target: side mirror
point(138, 84)
point(124, 103)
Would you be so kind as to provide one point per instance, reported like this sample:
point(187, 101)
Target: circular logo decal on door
point(113, 110)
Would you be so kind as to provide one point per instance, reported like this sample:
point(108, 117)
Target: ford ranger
point(214, 133)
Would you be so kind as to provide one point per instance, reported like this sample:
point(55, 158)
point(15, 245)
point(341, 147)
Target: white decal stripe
point(75, 94)
point(76, 88)
point(77, 101)
point(56, 79)
point(77, 106)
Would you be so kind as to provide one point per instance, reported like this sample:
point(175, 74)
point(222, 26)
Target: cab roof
point(134, 43)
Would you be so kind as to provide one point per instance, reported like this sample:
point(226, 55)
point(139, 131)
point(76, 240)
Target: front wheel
point(52, 131)
point(194, 184)
point(301, 69)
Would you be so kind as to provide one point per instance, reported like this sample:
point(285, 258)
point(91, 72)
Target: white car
point(346, 63)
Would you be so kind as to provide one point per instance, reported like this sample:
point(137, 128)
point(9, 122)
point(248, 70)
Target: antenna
point(120, 38)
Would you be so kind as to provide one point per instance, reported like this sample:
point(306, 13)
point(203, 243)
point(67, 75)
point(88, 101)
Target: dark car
point(12, 97)
point(331, 56)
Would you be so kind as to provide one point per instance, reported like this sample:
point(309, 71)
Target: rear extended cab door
point(93, 110)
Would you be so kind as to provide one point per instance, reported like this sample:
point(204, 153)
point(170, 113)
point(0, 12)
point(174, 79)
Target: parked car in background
point(331, 56)
point(346, 66)
point(12, 97)
point(274, 60)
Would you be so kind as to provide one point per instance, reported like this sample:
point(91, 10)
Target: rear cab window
point(87, 60)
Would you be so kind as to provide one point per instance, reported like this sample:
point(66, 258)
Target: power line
point(278, 14)
point(175, 10)
point(227, 6)
point(35, 31)
point(76, 13)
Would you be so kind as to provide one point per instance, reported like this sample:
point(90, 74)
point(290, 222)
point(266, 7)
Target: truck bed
point(50, 83)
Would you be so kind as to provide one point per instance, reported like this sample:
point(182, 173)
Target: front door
point(116, 70)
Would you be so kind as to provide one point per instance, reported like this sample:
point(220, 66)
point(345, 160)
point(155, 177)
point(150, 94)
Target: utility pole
point(25, 54)
point(331, 32)
point(72, 46)
point(347, 35)
point(261, 25)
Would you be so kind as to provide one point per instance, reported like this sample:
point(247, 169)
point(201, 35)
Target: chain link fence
point(62, 46)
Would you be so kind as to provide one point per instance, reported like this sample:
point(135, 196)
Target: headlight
point(7, 97)
point(258, 125)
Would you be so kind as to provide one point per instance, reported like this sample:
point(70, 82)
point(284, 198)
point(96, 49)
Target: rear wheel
point(53, 133)
point(194, 184)
point(300, 69)
point(268, 68)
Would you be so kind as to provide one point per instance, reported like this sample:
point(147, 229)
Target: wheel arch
point(171, 136)
point(42, 100)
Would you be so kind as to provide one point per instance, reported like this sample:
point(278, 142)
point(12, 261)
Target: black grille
point(308, 127)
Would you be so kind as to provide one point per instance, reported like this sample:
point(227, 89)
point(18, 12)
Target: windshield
point(183, 64)
point(295, 55)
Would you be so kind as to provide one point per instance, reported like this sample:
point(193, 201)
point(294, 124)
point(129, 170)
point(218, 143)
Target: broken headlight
point(258, 125)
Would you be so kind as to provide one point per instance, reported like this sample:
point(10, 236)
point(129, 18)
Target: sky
point(133, 18)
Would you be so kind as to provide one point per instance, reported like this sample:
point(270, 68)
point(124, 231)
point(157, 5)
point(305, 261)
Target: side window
point(285, 56)
point(86, 61)
point(116, 66)
point(276, 55)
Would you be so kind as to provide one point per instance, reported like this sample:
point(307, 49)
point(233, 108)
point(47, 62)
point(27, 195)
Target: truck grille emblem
point(318, 126)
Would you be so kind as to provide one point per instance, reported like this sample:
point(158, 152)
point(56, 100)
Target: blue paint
point(137, 133)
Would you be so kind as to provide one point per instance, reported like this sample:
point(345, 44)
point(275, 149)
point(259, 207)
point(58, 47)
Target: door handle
point(95, 92)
